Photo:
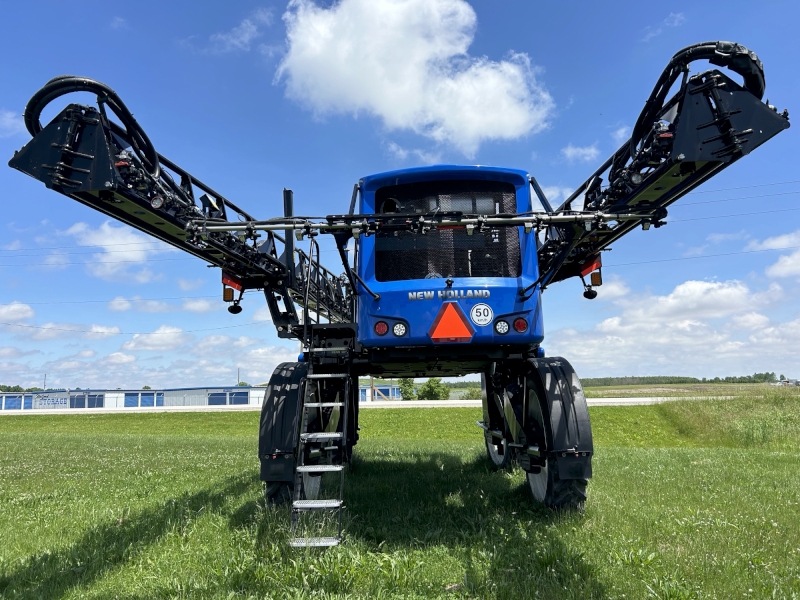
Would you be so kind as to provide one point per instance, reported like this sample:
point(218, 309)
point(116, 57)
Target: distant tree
point(783, 377)
point(243, 384)
point(471, 393)
point(144, 387)
point(407, 389)
point(11, 388)
point(433, 389)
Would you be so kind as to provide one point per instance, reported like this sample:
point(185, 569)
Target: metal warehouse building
point(144, 399)
point(88, 399)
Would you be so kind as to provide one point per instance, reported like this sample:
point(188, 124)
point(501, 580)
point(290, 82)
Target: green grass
point(691, 499)
point(681, 390)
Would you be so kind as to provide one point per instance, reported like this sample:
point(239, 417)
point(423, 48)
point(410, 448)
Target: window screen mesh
point(405, 255)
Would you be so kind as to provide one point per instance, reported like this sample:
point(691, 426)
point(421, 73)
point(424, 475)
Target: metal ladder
point(338, 438)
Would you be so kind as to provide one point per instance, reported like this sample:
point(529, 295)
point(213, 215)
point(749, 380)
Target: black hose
point(65, 84)
point(731, 55)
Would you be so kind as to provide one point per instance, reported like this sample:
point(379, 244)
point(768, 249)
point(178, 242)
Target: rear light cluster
point(398, 329)
point(502, 327)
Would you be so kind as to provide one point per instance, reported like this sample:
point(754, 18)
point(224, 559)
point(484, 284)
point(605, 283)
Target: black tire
point(278, 493)
point(545, 484)
point(278, 431)
point(556, 493)
point(499, 454)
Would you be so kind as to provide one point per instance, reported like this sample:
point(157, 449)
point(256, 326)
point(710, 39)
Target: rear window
point(405, 255)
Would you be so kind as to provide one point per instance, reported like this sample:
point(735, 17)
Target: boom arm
point(115, 169)
point(675, 145)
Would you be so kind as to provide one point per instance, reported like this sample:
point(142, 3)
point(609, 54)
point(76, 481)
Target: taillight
point(520, 325)
point(381, 328)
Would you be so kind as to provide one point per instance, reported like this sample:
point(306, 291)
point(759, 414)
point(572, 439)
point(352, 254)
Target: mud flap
point(564, 413)
point(280, 420)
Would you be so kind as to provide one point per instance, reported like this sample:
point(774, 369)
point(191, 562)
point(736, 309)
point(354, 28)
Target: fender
point(280, 419)
point(564, 414)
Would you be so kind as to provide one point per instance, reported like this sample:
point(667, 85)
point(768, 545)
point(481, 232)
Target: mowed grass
point(691, 499)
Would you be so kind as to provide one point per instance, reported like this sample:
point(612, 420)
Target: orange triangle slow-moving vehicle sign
point(451, 325)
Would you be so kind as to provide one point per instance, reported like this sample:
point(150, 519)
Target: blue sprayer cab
point(450, 286)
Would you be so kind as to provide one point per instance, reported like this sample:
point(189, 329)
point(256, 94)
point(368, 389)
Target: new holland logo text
point(448, 294)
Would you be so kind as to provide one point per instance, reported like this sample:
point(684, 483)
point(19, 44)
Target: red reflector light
point(232, 281)
point(381, 328)
point(520, 325)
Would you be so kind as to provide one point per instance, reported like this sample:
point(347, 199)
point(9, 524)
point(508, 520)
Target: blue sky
point(252, 97)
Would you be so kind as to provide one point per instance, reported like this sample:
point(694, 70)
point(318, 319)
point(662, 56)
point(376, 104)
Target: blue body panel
point(418, 315)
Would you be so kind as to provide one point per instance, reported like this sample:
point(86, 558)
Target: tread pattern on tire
point(563, 493)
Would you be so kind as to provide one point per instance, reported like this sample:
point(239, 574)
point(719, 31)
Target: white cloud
point(258, 364)
point(408, 64)
point(222, 342)
point(621, 134)
point(10, 123)
point(164, 338)
point(700, 328)
point(613, 289)
point(51, 330)
point(119, 23)
point(580, 153)
point(719, 238)
point(200, 305)
point(262, 314)
point(418, 156)
point(16, 311)
point(119, 304)
point(123, 249)
point(787, 240)
point(673, 20)
point(787, 265)
point(750, 321)
point(9, 352)
point(188, 285)
point(241, 37)
point(15, 245)
point(136, 303)
point(555, 194)
point(97, 332)
point(86, 353)
point(119, 358)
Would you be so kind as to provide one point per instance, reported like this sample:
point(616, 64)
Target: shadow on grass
point(436, 499)
point(398, 508)
point(109, 545)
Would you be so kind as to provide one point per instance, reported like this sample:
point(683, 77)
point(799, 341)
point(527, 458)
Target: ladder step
point(323, 435)
point(314, 541)
point(323, 404)
point(327, 375)
point(320, 468)
point(331, 349)
point(316, 504)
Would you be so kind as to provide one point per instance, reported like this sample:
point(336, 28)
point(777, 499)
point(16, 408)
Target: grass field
point(690, 499)
point(681, 390)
